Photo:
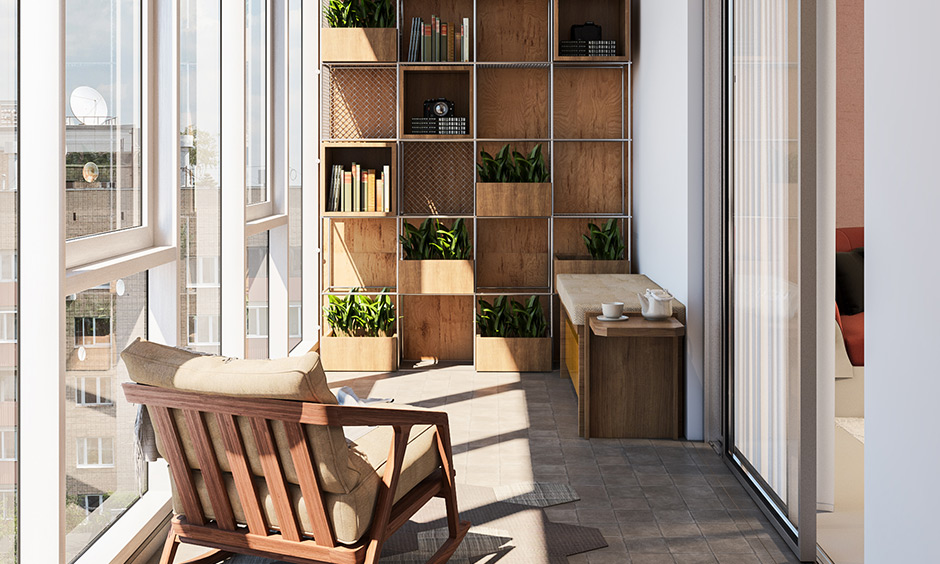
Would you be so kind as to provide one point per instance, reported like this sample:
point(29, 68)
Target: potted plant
point(360, 31)
point(513, 336)
point(513, 185)
point(363, 333)
point(436, 258)
point(606, 253)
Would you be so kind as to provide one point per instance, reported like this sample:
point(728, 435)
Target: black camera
point(440, 107)
point(589, 31)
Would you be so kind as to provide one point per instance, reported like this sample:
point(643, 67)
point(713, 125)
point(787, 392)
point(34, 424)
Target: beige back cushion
point(299, 378)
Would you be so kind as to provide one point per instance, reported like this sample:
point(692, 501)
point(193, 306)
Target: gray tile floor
point(655, 501)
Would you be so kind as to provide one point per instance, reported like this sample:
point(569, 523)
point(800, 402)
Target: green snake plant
point(360, 13)
point(604, 243)
point(512, 166)
point(358, 315)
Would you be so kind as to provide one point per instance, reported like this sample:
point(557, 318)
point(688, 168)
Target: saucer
point(621, 318)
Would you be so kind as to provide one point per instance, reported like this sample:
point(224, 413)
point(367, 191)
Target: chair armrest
point(377, 415)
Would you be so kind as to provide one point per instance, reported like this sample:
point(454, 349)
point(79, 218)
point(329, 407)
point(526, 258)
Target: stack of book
point(439, 126)
point(359, 190)
point(439, 42)
point(590, 48)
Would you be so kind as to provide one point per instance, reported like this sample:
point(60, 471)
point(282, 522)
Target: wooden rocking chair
point(252, 476)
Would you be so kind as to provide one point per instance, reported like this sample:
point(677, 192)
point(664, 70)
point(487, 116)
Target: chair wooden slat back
point(238, 461)
point(182, 475)
point(218, 494)
point(303, 462)
point(274, 477)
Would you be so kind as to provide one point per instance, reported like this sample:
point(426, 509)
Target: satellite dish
point(88, 106)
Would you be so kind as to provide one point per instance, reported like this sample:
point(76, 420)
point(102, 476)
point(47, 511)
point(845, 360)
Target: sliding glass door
point(766, 269)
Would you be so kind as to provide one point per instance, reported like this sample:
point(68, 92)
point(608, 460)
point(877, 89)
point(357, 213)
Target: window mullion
point(234, 193)
point(42, 345)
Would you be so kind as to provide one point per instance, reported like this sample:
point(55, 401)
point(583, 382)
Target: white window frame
point(99, 382)
point(255, 309)
point(7, 374)
point(5, 324)
point(83, 251)
point(94, 336)
point(8, 438)
point(295, 309)
point(7, 266)
point(205, 269)
point(214, 323)
point(81, 452)
point(7, 504)
point(85, 499)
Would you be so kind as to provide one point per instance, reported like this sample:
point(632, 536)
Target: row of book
point(587, 48)
point(439, 42)
point(439, 126)
point(359, 190)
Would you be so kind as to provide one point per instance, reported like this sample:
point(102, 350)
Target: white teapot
point(656, 304)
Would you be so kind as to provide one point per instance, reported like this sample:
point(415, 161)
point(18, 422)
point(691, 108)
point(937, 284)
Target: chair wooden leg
point(169, 548)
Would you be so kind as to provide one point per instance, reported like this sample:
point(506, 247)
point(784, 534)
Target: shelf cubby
point(513, 253)
point(450, 11)
point(612, 15)
point(437, 328)
point(437, 178)
point(362, 253)
point(512, 102)
point(521, 36)
point(567, 232)
point(427, 82)
point(589, 177)
point(370, 156)
point(361, 102)
point(603, 116)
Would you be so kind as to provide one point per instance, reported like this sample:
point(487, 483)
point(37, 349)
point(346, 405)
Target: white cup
point(612, 310)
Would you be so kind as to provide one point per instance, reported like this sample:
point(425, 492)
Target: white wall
point(902, 280)
point(668, 114)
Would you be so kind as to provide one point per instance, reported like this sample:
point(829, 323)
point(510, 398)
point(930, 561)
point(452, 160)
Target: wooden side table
point(632, 378)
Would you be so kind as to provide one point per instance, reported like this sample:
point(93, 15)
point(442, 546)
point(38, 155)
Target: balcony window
point(204, 330)
point(202, 272)
point(93, 391)
point(94, 452)
point(92, 331)
point(103, 125)
point(92, 502)
point(256, 92)
point(7, 443)
point(8, 326)
point(7, 385)
point(7, 265)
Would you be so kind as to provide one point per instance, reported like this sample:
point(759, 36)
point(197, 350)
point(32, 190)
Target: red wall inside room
point(850, 113)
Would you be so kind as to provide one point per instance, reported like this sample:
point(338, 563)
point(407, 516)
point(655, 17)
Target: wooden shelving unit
point(516, 89)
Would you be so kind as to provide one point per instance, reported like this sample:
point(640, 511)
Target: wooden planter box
point(498, 354)
point(571, 264)
point(358, 44)
point(435, 277)
point(514, 199)
point(359, 354)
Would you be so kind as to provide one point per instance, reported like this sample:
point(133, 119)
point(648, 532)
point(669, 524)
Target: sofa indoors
point(850, 323)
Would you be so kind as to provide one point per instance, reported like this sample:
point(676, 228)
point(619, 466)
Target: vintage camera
point(589, 31)
point(439, 107)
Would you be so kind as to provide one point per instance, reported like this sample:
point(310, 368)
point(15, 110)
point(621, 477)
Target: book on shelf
point(370, 191)
point(379, 193)
point(451, 28)
point(466, 40)
point(386, 198)
point(437, 41)
point(347, 192)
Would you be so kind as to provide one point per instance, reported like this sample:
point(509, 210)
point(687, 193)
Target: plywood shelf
point(590, 177)
point(519, 35)
point(369, 155)
point(613, 16)
point(363, 252)
point(437, 328)
point(603, 116)
point(420, 83)
point(512, 102)
point(513, 253)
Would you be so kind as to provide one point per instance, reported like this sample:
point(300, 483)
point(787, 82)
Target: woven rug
point(508, 526)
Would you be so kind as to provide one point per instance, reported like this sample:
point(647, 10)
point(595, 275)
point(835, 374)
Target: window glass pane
point(256, 280)
point(256, 83)
point(9, 179)
point(295, 171)
point(103, 138)
point(200, 195)
point(101, 430)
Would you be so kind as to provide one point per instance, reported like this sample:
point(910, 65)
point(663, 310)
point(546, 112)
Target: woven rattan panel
point(362, 102)
point(437, 178)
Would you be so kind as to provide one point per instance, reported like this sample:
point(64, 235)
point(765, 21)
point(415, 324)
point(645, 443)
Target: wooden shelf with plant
point(359, 31)
point(437, 258)
point(362, 336)
point(512, 184)
point(606, 251)
point(512, 336)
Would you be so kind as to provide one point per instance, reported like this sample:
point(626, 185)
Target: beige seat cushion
point(298, 378)
point(350, 513)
